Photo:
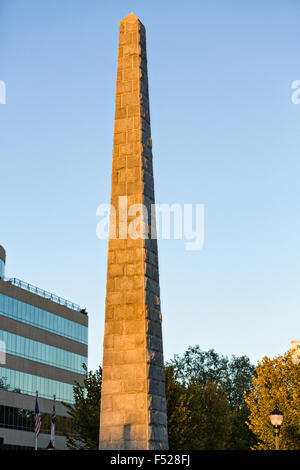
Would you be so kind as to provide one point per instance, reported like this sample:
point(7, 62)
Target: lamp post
point(276, 418)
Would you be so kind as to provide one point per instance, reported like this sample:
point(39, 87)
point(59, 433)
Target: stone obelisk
point(133, 404)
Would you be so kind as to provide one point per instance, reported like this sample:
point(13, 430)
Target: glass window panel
point(31, 315)
point(40, 352)
point(28, 384)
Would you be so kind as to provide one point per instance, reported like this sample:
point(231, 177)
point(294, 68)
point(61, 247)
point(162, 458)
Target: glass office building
point(44, 339)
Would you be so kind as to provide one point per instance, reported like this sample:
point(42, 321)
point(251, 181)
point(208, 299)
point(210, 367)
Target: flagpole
point(37, 394)
point(54, 424)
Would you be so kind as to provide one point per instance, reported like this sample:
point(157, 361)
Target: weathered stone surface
point(133, 403)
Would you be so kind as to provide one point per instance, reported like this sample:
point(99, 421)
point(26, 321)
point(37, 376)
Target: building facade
point(43, 346)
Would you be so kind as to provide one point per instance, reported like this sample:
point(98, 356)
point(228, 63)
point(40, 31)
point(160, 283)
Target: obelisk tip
point(130, 18)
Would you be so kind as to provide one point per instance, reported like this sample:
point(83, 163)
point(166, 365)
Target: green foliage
point(242, 438)
point(231, 377)
point(277, 381)
point(180, 428)
point(3, 385)
point(85, 412)
point(211, 414)
point(198, 415)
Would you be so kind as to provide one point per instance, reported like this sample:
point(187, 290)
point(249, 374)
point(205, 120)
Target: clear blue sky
point(225, 134)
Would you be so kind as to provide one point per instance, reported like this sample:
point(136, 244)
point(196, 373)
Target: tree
point(198, 415)
point(85, 412)
point(232, 376)
point(179, 412)
point(277, 381)
point(212, 414)
point(3, 385)
point(242, 438)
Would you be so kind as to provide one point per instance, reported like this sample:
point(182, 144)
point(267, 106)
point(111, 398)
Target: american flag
point(37, 419)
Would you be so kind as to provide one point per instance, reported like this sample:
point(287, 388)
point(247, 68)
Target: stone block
point(109, 387)
point(116, 270)
point(112, 417)
point(130, 99)
point(135, 416)
point(115, 298)
point(133, 386)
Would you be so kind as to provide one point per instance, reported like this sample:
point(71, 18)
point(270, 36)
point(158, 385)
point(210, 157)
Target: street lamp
point(276, 418)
